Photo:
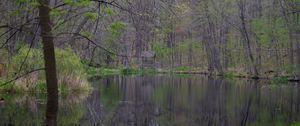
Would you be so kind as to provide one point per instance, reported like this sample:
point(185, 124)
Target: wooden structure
point(2, 69)
point(148, 59)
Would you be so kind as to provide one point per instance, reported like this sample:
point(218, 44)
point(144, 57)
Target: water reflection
point(52, 108)
point(164, 101)
point(195, 100)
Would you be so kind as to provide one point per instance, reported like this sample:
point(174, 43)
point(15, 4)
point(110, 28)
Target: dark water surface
point(163, 101)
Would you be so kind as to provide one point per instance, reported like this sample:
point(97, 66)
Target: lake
point(163, 100)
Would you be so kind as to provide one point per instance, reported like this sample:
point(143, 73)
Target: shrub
point(142, 71)
point(182, 68)
point(229, 75)
point(71, 74)
point(129, 71)
point(280, 80)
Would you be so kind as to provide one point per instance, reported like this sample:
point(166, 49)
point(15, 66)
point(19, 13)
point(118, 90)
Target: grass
point(182, 68)
point(70, 71)
point(143, 71)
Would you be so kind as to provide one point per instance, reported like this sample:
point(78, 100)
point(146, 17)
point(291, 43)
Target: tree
point(50, 64)
point(246, 38)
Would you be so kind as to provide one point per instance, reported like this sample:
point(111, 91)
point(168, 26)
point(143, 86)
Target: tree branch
point(100, 46)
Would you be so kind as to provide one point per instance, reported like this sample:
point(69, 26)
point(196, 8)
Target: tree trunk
point(247, 41)
point(50, 65)
point(287, 25)
point(211, 45)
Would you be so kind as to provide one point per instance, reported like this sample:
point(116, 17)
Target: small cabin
point(1, 69)
point(148, 59)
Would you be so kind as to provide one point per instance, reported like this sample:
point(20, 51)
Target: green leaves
point(116, 28)
point(265, 29)
point(79, 3)
point(35, 4)
point(57, 12)
point(86, 34)
point(91, 15)
point(261, 29)
point(109, 11)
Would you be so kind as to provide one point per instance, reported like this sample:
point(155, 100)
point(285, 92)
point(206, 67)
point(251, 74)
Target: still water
point(163, 100)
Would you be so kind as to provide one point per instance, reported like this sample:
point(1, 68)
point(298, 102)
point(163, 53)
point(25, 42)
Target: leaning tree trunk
point(49, 58)
point(246, 38)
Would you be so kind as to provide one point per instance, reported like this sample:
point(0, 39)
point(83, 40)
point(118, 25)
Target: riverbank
point(236, 75)
point(230, 75)
point(71, 83)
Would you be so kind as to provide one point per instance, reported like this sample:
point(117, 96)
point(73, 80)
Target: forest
point(58, 46)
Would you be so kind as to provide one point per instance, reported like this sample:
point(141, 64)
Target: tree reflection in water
point(160, 101)
point(52, 108)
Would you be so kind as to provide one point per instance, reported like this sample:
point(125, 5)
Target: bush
point(129, 71)
point(230, 75)
point(71, 74)
point(133, 71)
point(280, 80)
point(183, 68)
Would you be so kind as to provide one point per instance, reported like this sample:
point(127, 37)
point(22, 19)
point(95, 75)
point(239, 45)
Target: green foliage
point(291, 70)
point(59, 24)
point(280, 80)
point(91, 15)
point(295, 123)
point(35, 4)
point(41, 87)
point(70, 70)
point(161, 49)
point(266, 29)
point(79, 3)
point(57, 12)
point(86, 34)
point(116, 28)
point(63, 89)
point(229, 75)
point(34, 61)
point(134, 71)
point(262, 30)
point(68, 62)
point(183, 68)
point(109, 11)
point(129, 71)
